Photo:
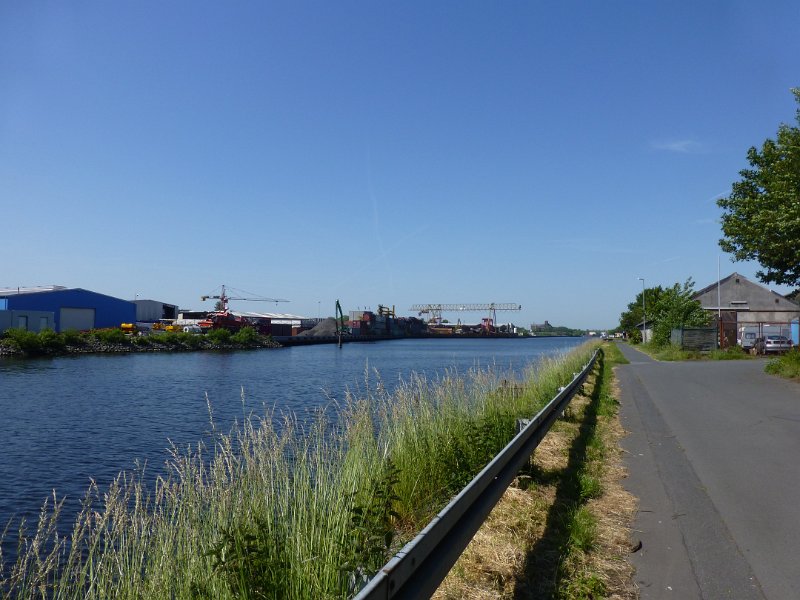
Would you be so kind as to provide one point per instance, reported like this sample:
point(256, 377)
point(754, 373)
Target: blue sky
point(544, 153)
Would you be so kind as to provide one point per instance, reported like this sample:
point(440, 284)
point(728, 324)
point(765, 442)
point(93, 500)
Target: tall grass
point(786, 365)
point(280, 508)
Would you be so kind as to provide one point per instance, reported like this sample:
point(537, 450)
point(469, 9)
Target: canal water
point(66, 420)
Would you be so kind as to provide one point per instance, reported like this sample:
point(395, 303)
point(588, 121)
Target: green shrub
point(165, 338)
point(27, 341)
point(72, 337)
point(189, 340)
point(50, 340)
point(219, 336)
point(110, 336)
point(246, 336)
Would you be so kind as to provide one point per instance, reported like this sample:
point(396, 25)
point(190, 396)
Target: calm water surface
point(66, 420)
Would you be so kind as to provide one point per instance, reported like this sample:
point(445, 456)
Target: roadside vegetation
point(786, 365)
point(48, 342)
point(666, 309)
point(561, 530)
point(662, 309)
point(282, 507)
point(671, 352)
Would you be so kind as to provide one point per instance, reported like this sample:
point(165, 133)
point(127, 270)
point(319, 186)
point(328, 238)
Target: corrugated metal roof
point(267, 315)
point(30, 290)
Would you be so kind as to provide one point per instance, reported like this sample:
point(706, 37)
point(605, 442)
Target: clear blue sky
point(544, 153)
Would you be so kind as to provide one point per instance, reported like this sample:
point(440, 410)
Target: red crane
point(224, 318)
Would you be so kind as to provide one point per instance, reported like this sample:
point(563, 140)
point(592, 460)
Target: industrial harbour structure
point(61, 309)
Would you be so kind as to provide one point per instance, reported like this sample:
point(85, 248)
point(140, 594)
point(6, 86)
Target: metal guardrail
point(417, 570)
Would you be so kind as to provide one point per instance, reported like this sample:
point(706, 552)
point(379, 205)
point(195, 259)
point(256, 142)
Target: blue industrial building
point(76, 308)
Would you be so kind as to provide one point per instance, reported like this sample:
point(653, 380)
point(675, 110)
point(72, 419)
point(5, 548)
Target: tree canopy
point(761, 218)
point(665, 309)
point(631, 319)
point(674, 309)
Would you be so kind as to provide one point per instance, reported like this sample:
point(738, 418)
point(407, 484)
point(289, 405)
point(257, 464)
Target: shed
point(151, 311)
point(73, 308)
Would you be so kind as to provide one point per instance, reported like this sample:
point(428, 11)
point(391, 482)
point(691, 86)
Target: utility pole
point(644, 314)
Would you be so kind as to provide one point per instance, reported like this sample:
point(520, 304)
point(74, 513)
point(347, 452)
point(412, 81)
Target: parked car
point(772, 344)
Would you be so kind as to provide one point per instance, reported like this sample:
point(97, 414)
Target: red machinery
point(223, 318)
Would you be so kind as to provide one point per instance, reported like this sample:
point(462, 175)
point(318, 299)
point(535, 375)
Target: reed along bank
point(289, 503)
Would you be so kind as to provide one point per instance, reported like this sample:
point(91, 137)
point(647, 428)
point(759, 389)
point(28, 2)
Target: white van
point(746, 336)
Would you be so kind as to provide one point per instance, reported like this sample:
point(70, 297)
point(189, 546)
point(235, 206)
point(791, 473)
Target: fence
point(703, 339)
point(418, 569)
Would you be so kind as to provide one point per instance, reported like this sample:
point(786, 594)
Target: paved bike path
point(713, 455)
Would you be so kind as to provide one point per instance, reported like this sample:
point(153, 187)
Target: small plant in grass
point(252, 560)
point(730, 353)
point(787, 365)
point(372, 517)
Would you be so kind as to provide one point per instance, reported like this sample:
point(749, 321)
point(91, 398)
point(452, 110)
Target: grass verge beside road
point(786, 365)
point(561, 530)
point(673, 353)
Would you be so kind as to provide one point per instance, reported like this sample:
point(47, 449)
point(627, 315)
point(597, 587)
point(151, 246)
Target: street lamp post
point(644, 314)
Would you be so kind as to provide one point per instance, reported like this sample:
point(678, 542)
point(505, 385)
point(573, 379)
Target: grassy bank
point(280, 508)
point(561, 531)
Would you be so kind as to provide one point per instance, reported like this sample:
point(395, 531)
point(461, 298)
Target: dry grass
point(615, 511)
point(520, 550)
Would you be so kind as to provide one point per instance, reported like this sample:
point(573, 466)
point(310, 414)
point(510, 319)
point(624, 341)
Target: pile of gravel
point(325, 328)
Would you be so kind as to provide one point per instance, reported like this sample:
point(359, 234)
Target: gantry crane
point(435, 310)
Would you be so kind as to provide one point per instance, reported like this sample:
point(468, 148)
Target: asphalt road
point(713, 455)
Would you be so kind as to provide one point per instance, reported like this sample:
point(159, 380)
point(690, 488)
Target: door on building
point(727, 329)
point(22, 322)
point(80, 319)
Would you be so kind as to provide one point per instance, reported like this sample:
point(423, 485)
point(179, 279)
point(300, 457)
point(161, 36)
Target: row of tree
point(664, 309)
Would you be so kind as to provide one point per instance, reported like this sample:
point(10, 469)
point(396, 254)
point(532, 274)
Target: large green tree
point(675, 309)
point(666, 309)
point(631, 319)
point(761, 218)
